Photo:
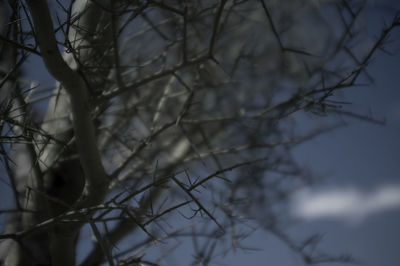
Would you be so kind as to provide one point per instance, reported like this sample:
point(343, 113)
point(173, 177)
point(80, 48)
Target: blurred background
point(356, 205)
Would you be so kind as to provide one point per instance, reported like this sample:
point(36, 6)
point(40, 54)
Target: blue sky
point(356, 206)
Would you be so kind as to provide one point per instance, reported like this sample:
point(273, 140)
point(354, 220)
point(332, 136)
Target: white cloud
point(348, 204)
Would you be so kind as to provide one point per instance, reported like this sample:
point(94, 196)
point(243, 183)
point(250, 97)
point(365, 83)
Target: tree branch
point(96, 181)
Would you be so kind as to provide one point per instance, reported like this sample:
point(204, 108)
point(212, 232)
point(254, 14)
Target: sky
point(356, 206)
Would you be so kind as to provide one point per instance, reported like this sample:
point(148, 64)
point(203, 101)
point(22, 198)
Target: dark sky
point(357, 205)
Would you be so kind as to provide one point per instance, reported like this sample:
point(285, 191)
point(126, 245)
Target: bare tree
point(168, 121)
